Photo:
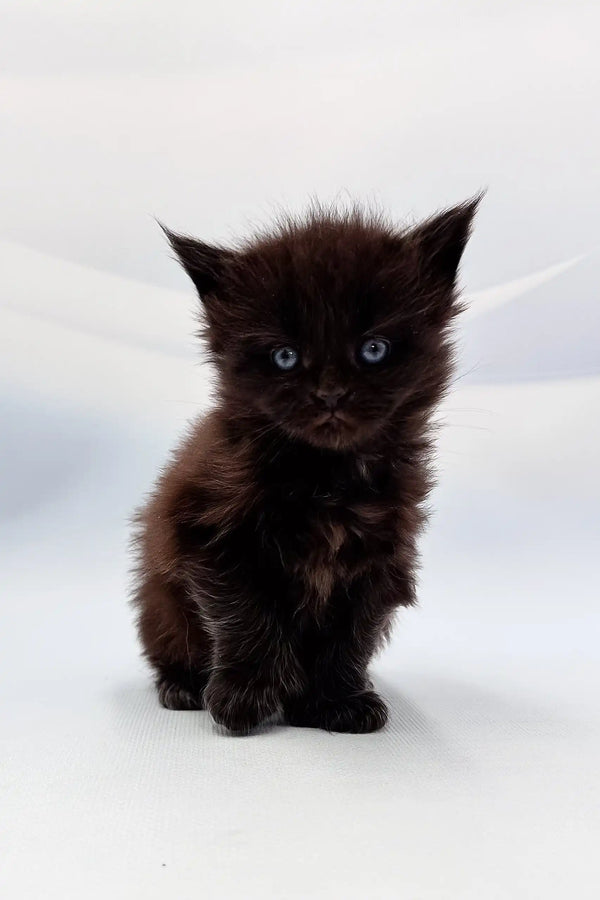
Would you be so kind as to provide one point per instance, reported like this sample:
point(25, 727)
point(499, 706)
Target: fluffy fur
point(281, 537)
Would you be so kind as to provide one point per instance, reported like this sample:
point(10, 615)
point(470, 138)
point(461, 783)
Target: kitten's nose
point(330, 396)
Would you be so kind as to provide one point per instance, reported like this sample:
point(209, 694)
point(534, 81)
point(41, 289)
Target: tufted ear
point(204, 263)
point(441, 240)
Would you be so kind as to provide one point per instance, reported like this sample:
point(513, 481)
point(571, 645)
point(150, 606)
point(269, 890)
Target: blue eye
point(285, 358)
point(374, 350)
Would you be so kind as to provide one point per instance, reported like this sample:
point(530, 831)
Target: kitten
point(281, 537)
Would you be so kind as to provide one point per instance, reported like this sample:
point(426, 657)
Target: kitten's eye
point(374, 350)
point(285, 358)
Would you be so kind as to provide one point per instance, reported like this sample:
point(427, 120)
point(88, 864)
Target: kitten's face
point(329, 327)
point(315, 351)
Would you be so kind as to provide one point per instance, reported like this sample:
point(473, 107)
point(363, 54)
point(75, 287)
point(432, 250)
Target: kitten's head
point(333, 325)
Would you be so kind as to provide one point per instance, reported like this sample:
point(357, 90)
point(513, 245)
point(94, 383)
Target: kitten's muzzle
point(329, 398)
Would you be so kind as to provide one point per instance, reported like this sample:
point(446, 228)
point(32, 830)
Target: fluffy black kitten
point(282, 535)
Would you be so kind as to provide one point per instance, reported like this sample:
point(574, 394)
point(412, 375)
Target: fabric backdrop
point(485, 783)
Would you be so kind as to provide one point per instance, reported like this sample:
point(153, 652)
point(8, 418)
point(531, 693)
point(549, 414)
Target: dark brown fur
point(281, 538)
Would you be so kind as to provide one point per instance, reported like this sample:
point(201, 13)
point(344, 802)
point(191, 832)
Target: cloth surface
point(485, 782)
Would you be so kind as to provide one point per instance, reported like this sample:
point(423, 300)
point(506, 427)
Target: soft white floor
point(485, 783)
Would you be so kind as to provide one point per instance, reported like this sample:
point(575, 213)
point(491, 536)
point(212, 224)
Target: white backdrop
point(485, 783)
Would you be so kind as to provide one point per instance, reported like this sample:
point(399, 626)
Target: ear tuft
point(204, 263)
point(441, 240)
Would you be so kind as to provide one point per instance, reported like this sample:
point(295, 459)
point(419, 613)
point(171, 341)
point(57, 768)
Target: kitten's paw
point(175, 696)
point(239, 708)
point(355, 714)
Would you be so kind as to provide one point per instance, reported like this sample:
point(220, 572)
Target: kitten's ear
point(441, 240)
point(204, 263)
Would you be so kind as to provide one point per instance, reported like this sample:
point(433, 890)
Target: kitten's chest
point(334, 530)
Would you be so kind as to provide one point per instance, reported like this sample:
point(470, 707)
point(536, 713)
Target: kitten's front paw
point(239, 708)
point(175, 696)
point(356, 714)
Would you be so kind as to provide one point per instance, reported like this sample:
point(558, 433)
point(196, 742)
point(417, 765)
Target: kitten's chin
point(332, 434)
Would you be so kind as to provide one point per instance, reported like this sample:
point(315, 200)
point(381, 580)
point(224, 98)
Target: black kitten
point(282, 536)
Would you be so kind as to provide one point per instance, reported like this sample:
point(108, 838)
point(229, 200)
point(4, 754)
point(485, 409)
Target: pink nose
point(330, 396)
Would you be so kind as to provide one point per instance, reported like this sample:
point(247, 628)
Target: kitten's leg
point(175, 643)
point(340, 696)
point(255, 669)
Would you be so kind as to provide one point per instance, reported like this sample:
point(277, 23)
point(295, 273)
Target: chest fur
point(344, 538)
point(324, 527)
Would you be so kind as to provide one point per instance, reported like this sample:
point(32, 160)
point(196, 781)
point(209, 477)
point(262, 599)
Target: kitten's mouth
point(333, 419)
point(333, 428)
